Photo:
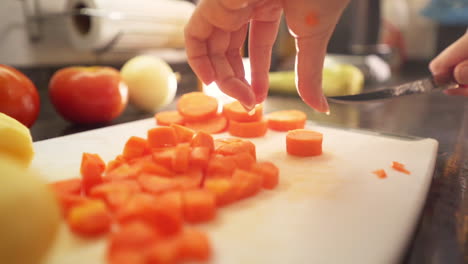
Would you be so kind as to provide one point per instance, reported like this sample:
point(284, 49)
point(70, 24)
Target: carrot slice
point(400, 167)
point(235, 111)
point(89, 219)
point(194, 245)
point(162, 137)
point(220, 165)
point(68, 186)
point(233, 146)
point(184, 134)
point(168, 251)
point(213, 125)
point(115, 194)
point(166, 118)
point(92, 167)
point(197, 106)
point(135, 147)
point(203, 139)
point(245, 183)
point(221, 188)
point(380, 173)
point(286, 120)
point(304, 143)
point(243, 160)
point(180, 163)
point(198, 205)
point(248, 129)
point(269, 173)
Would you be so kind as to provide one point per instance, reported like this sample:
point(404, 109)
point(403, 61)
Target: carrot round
point(235, 111)
point(197, 106)
point(213, 125)
point(304, 143)
point(166, 118)
point(248, 129)
point(286, 120)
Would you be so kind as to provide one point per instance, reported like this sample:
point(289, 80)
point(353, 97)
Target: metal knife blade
point(426, 85)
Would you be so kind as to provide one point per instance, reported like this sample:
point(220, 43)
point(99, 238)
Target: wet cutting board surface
point(326, 209)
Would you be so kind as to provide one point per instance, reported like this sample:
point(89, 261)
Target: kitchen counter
point(442, 233)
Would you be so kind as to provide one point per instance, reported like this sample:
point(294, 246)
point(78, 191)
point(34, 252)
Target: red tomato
point(88, 95)
point(18, 96)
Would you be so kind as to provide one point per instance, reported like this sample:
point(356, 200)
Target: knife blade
point(427, 85)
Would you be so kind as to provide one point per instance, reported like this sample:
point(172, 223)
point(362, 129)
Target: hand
point(454, 59)
point(217, 30)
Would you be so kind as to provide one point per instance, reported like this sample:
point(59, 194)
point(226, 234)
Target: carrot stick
point(248, 129)
point(304, 143)
point(212, 125)
point(400, 167)
point(235, 111)
point(197, 106)
point(286, 120)
point(166, 118)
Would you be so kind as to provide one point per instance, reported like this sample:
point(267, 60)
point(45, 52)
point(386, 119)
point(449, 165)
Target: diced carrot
point(115, 193)
point(151, 167)
point(156, 185)
point(304, 143)
point(221, 166)
point(248, 129)
point(245, 183)
point(166, 252)
point(167, 118)
point(119, 160)
point(162, 137)
point(133, 235)
point(286, 120)
point(199, 156)
point(184, 134)
point(164, 156)
point(243, 160)
point(198, 205)
point(380, 173)
point(127, 256)
point(235, 111)
point(400, 167)
point(68, 186)
point(68, 201)
point(269, 173)
point(213, 125)
point(233, 146)
point(123, 172)
point(203, 139)
point(180, 163)
point(221, 188)
point(92, 167)
point(89, 219)
point(197, 106)
point(194, 245)
point(190, 179)
point(135, 147)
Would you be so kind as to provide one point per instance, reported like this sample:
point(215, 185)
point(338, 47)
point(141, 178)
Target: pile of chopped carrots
point(143, 199)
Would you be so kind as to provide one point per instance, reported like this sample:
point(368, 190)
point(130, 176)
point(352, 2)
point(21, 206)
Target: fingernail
point(248, 107)
point(324, 105)
point(461, 75)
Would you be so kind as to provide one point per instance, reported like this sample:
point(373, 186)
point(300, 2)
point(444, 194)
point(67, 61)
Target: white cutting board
point(326, 209)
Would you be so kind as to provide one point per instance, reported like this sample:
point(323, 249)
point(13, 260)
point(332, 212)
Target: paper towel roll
point(123, 25)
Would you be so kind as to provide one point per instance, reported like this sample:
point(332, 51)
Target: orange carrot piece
point(380, 173)
point(213, 125)
point(221, 188)
point(123, 172)
point(89, 219)
point(180, 163)
point(119, 160)
point(164, 156)
point(197, 106)
point(235, 111)
point(167, 118)
point(400, 167)
point(269, 173)
point(231, 146)
point(168, 251)
point(220, 166)
point(304, 143)
point(116, 193)
point(286, 120)
point(92, 167)
point(243, 160)
point(191, 179)
point(68, 186)
point(135, 147)
point(184, 134)
point(198, 205)
point(199, 157)
point(203, 139)
point(147, 165)
point(245, 183)
point(69, 201)
point(162, 137)
point(126, 256)
point(194, 245)
point(156, 185)
point(248, 129)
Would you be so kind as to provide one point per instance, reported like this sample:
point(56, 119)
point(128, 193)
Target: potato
point(29, 215)
point(16, 140)
point(151, 82)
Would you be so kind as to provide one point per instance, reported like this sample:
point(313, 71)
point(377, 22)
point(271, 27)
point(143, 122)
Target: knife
point(433, 83)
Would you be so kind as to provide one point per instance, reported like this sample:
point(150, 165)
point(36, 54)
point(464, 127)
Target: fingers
point(461, 72)
point(234, 52)
point(262, 38)
point(450, 57)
